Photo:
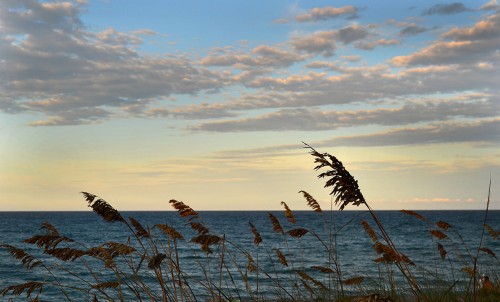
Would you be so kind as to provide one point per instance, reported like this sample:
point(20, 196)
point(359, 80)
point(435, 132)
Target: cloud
point(435, 199)
point(379, 83)
point(479, 42)
point(273, 55)
point(373, 44)
point(351, 33)
point(362, 84)
point(325, 13)
point(484, 131)
point(352, 58)
point(445, 52)
point(334, 66)
point(492, 4)
point(483, 30)
point(75, 117)
point(260, 56)
point(306, 119)
point(53, 65)
point(325, 42)
point(322, 42)
point(446, 9)
point(195, 112)
point(412, 30)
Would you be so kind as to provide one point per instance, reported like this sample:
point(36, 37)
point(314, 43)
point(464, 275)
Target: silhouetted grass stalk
point(346, 191)
point(474, 275)
point(148, 266)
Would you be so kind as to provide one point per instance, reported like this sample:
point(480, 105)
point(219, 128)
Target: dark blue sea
point(340, 232)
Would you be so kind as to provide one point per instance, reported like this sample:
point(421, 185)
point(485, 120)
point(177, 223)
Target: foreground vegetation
point(149, 265)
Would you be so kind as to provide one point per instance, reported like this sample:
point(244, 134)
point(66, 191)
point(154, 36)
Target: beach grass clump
point(151, 263)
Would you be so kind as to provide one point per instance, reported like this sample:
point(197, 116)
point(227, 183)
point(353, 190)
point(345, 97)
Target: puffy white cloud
point(325, 13)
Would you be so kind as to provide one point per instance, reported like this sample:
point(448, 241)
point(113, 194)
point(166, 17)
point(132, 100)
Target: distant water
point(354, 248)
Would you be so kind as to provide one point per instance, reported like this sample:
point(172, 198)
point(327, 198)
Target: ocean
point(354, 251)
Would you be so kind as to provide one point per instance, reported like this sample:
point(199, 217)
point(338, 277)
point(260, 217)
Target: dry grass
point(148, 267)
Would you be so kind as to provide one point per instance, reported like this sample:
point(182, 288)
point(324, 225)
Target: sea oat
point(102, 208)
point(345, 187)
point(18, 289)
point(488, 251)
point(104, 285)
point(494, 234)
point(307, 286)
point(169, 231)
point(155, 262)
point(200, 228)
point(438, 234)
point(251, 265)
point(442, 251)
point(276, 224)
point(140, 231)
point(183, 209)
point(354, 280)
point(305, 276)
point(281, 257)
point(27, 260)
point(288, 213)
point(414, 214)
point(443, 225)
point(205, 241)
point(50, 228)
point(370, 231)
point(389, 255)
point(311, 202)
point(47, 241)
point(299, 232)
point(322, 269)
point(66, 253)
point(119, 249)
point(102, 254)
point(257, 239)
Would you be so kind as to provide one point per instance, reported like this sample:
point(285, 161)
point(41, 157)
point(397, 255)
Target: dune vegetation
point(149, 266)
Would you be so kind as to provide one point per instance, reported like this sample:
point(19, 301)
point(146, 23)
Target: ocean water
point(342, 230)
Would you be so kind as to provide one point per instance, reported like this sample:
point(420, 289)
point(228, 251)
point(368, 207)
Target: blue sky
point(208, 102)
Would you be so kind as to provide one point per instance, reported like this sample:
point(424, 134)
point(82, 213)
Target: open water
point(354, 250)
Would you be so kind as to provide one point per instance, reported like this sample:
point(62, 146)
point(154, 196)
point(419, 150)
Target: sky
point(209, 102)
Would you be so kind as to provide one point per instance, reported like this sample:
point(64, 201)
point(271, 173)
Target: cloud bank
point(314, 79)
